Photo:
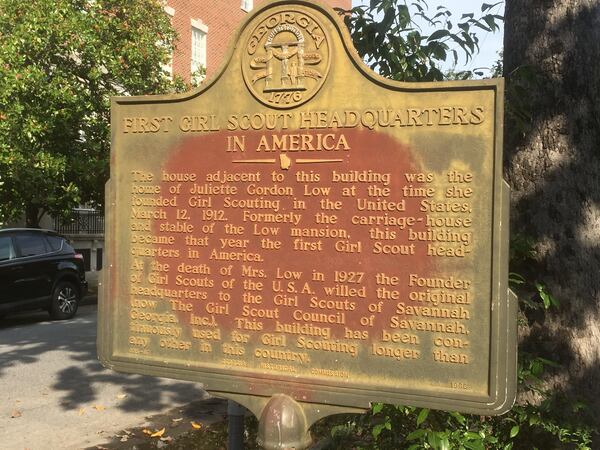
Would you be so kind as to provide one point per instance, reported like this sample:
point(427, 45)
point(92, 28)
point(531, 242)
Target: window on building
point(247, 5)
point(168, 67)
point(199, 34)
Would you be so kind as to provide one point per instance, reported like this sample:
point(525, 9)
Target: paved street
point(54, 394)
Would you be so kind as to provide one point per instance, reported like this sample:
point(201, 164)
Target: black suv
point(39, 269)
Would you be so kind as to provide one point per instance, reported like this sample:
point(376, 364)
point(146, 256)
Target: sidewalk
point(209, 411)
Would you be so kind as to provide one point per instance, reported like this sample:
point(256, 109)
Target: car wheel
point(65, 301)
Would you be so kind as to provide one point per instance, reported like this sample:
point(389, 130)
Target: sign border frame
point(503, 335)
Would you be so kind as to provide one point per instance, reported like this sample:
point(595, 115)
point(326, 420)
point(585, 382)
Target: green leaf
point(487, 6)
point(417, 434)
point(491, 22)
point(514, 431)
point(377, 429)
point(403, 16)
point(377, 408)
point(438, 34)
point(422, 416)
point(474, 445)
point(438, 440)
point(418, 6)
point(444, 443)
point(433, 440)
point(458, 417)
point(547, 362)
point(472, 436)
point(515, 278)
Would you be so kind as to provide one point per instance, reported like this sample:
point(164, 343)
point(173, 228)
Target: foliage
point(541, 420)
point(498, 66)
point(386, 34)
point(534, 295)
point(550, 421)
point(528, 426)
point(60, 61)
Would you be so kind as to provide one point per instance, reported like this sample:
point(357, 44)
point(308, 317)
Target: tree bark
point(32, 216)
point(552, 152)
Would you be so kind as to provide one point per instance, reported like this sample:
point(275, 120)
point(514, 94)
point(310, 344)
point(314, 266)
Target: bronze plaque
point(302, 226)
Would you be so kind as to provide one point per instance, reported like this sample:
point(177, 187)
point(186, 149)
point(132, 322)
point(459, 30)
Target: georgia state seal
point(286, 59)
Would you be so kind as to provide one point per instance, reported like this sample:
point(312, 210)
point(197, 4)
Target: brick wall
point(222, 17)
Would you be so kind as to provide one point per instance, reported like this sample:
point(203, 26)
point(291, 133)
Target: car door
point(36, 280)
point(9, 271)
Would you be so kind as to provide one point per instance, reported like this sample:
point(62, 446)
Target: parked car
point(40, 270)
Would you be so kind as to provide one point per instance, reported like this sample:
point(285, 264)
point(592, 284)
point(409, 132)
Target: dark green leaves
point(422, 416)
point(60, 61)
point(487, 6)
point(438, 34)
point(388, 35)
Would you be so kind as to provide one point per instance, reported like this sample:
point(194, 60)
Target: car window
point(55, 242)
point(67, 247)
point(6, 248)
point(31, 244)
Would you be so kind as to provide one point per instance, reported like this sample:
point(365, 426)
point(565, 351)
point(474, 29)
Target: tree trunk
point(552, 150)
point(32, 216)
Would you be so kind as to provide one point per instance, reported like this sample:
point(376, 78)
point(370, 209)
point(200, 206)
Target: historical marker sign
point(302, 226)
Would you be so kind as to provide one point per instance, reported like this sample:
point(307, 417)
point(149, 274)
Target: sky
point(489, 43)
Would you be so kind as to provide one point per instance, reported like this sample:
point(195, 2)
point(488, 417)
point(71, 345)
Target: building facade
point(206, 29)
